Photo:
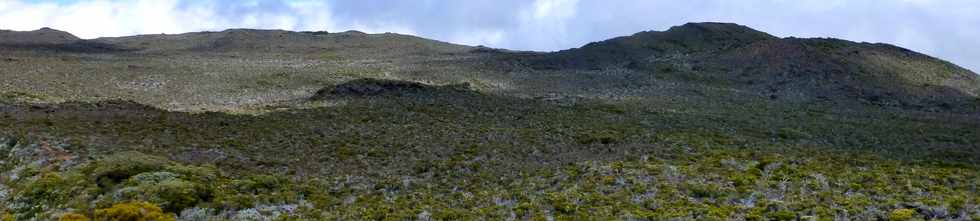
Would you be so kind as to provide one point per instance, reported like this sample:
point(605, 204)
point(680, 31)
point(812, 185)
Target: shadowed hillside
point(51, 40)
point(788, 69)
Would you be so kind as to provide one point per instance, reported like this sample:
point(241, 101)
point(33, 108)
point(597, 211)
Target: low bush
point(783, 215)
point(73, 217)
point(115, 168)
point(133, 211)
point(165, 189)
point(901, 214)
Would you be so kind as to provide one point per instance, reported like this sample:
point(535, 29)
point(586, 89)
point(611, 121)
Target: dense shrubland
point(680, 180)
point(433, 157)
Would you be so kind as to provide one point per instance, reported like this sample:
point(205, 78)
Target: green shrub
point(150, 178)
point(165, 189)
point(48, 187)
point(48, 190)
point(120, 166)
point(452, 214)
point(134, 211)
point(201, 174)
point(783, 215)
point(258, 184)
point(73, 217)
point(699, 190)
point(175, 195)
point(901, 214)
point(561, 203)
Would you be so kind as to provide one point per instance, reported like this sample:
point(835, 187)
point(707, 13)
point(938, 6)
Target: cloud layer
point(944, 28)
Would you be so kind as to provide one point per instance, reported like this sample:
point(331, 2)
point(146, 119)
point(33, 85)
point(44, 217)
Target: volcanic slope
point(704, 121)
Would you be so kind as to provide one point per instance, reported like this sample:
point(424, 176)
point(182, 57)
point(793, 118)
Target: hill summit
point(792, 69)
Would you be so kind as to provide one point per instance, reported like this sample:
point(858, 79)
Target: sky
point(948, 29)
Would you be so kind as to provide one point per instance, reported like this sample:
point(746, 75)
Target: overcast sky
point(949, 29)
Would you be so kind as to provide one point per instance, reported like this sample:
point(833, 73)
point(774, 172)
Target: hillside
point(791, 69)
point(172, 71)
point(703, 121)
point(36, 37)
point(269, 41)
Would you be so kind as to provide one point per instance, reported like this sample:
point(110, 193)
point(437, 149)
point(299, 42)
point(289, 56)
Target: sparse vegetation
point(672, 138)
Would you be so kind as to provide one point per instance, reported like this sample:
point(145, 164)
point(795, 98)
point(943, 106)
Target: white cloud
point(316, 15)
point(545, 23)
point(380, 27)
point(103, 18)
point(479, 37)
point(19, 16)
point(557, 10)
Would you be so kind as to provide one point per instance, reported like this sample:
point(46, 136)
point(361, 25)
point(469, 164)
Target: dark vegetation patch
point(316, 32)
point(50, 40)
point(691, 38)
point(786, 70)
point(484, 49)
point(82, 46)
point(382, 87)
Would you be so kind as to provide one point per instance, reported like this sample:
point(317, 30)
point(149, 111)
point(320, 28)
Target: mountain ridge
point(257, 40)
point(803, 69)
point(41, 36)
point(724, 55)
point(710, 29)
